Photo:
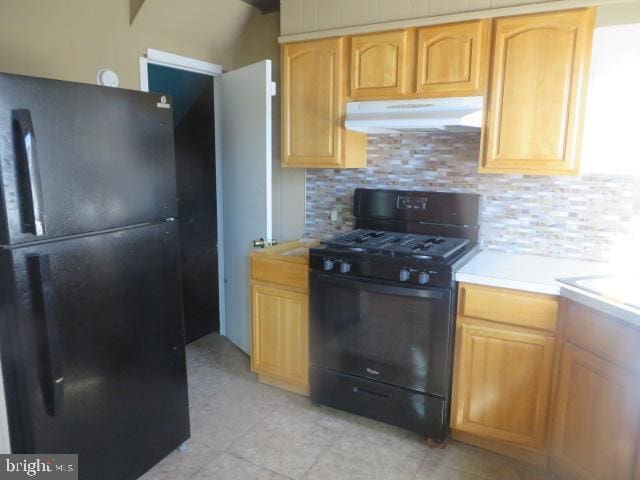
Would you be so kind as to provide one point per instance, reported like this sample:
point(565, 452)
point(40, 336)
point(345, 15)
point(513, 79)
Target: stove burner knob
point(423, 278)
point(327, 265)
point(404, 275)
point(345, 267)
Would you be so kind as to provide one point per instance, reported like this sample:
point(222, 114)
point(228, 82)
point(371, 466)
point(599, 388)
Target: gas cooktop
point(398, 244)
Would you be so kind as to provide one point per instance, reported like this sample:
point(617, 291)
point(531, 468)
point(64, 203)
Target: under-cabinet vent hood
point(455, 114)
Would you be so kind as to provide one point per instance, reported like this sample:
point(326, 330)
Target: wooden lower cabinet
point(503, 370)
point(280, 315)
point(550, 382)
point(503, 384)
point(280, 335)
point(597, 415)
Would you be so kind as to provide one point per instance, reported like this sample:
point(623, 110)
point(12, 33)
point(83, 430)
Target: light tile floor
point(243, 430)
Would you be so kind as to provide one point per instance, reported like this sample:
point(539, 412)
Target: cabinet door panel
point(378, 65)
point(596, 418)
point(452, 59)
point(503, 380)
point(537, 95)
point(311, 86)
point(280, 334)
point(314, 94)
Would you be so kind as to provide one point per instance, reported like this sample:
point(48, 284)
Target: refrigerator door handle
point(34, 220)
point(54, 388)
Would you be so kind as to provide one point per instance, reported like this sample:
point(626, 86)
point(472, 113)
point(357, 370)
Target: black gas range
point(382, 307)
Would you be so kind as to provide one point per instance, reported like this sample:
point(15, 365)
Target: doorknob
point(261, 243)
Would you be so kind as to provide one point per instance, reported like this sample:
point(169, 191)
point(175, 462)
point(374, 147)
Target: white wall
point(610, 140)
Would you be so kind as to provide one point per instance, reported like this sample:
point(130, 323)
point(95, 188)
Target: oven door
point(402, 336)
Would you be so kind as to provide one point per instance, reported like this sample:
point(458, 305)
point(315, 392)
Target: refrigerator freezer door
point(79, 158)
point(93, 349)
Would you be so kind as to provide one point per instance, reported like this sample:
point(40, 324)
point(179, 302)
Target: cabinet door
point(452, 59)
point(280, 334)
point(502, 384)
point(314, 84)
point(538, 89)
point(595, 427)
point(379, 65)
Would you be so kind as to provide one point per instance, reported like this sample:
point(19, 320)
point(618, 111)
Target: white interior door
point(244, 138)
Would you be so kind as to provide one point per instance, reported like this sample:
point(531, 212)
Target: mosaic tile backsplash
point(586, 217)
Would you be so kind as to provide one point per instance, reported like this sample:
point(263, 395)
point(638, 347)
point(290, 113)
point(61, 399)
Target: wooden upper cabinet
point(314, 87)
point(595, 429)
point(379, 64)
point(453, 59)
point(538, 90)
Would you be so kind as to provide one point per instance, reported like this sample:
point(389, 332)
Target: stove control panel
point(415, 276)
point(418, 275)
point(337, 265)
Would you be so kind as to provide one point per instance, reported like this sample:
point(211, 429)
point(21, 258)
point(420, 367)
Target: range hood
point(454, 114)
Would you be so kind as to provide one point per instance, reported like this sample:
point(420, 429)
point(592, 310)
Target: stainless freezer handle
point(54, 388)
point(34, 224)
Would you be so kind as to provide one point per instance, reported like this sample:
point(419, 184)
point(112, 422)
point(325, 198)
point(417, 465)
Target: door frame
point(179, 62)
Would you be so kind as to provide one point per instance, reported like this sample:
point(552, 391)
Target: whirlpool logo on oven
point(51, 467)
point(371, 371)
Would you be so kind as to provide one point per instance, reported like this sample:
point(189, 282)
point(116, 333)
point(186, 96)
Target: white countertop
point(533, 273)
point(605, 305)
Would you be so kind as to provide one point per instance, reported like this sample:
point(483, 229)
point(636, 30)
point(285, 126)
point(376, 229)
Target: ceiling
point(265, 6)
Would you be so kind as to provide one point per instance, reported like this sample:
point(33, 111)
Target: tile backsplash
point(585, 217)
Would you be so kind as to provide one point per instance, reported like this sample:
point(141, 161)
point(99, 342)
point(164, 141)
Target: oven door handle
point(370, 286)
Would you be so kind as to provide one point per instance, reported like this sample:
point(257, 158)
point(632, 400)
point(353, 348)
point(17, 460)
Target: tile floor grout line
point(422, 461)
point(195, 474)
point(232, 444)
point(260, 466)
point(324, 452)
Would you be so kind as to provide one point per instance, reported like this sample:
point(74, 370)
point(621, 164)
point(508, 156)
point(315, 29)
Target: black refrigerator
point(91, 330)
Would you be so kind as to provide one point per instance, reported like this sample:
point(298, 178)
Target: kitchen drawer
point(602, 335)
point(274, 271)
point(513, 307)
point(380, 401)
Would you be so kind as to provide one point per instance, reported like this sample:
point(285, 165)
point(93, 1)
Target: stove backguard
point(430, 213)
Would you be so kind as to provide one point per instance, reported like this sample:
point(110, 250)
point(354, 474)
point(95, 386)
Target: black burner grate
point(402, 244)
